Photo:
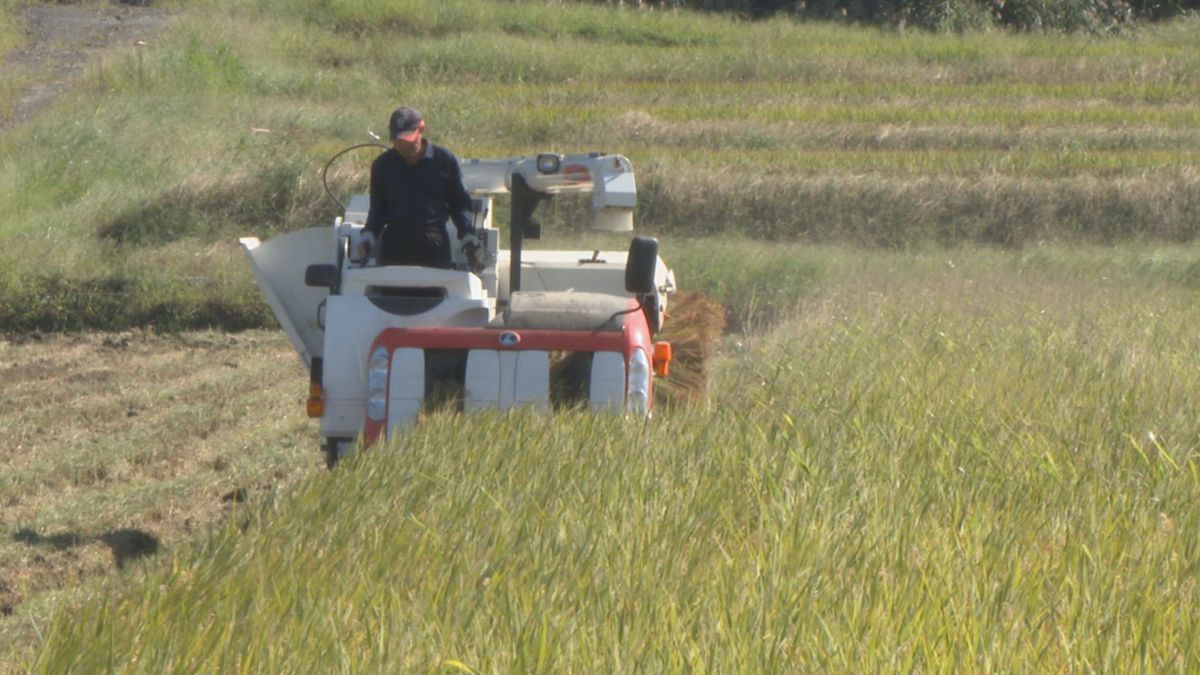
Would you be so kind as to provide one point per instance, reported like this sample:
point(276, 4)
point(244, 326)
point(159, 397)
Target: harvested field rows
point(114, 445)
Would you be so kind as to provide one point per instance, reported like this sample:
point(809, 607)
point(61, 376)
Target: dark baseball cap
point(405, 123)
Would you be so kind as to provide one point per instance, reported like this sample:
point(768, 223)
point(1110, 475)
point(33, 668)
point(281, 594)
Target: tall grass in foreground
point(982, 464)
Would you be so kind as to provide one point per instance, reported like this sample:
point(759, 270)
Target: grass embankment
point(122, 204)
point(953, 462)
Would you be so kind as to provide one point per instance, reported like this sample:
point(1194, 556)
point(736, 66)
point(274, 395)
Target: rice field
point(964, 462)
point(950, 426)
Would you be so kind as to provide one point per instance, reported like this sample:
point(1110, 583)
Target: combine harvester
point(549, 329)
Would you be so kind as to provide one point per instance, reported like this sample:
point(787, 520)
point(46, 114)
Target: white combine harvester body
point(539, 328)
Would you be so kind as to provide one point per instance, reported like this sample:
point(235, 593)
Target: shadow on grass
point(126, 544)
point(55, 304)
point(207, 207)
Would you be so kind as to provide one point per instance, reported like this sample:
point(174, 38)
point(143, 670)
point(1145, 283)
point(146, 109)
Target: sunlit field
point(967, 461)
point(950, 426)
point(124, 203)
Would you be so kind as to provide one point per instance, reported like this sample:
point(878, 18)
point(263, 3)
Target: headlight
point(637, 385)
point(377, 382)
point(547, 163)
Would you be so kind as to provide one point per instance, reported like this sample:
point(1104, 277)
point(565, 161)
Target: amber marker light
point(662, 358)
point(316, 400)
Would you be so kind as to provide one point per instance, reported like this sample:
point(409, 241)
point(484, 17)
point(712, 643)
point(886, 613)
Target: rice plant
point(969, 461)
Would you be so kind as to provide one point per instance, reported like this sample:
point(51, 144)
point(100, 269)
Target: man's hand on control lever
point(472, 248)
point(366, 244)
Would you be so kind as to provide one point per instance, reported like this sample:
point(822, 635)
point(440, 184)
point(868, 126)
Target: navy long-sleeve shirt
point(411, 199)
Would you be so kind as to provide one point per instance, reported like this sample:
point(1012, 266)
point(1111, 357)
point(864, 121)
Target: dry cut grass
point(119, 446)
point(894, 211)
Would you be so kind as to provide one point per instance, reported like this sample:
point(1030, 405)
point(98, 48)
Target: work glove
point(366, 244)
point(473, 249)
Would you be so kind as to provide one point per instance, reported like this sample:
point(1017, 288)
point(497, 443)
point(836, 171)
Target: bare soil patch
point(63, 38)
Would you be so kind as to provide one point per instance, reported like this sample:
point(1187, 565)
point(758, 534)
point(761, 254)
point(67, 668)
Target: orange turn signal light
point(662, 358)
point(315, 405)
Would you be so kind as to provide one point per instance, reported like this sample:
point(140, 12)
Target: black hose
point(325, 170)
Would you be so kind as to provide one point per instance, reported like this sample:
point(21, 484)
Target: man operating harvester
point(415, 187)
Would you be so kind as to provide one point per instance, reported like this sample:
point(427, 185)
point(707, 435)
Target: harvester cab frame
point(541, 328)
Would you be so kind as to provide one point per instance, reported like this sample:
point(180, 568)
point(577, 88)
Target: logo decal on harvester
point(576, 173)
point(509, 339)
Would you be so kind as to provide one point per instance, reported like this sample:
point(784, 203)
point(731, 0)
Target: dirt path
point(63, 38)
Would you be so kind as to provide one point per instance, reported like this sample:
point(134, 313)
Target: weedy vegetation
point(951, 427)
